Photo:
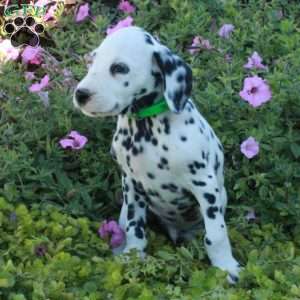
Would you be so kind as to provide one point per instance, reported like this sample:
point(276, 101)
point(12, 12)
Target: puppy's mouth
point(112, 112)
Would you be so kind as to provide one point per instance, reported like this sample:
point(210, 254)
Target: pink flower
point(82, 13)
point(37, 87)
point(32, 55)
point(225, 31)
point(7, 51)
point(113, 230)
point(121, 24)
point(250, 147)
point(29, 75)
point(126, 7)
point(254, 62)
point(256, 91)
point(199, 43)
point(73, 140)
point(50, 13)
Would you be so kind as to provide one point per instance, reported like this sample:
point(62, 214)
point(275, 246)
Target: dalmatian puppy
point(172, 162)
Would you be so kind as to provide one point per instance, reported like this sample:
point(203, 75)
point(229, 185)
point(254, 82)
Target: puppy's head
point(128, 66)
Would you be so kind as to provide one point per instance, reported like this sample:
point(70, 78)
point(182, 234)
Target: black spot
point(126, 83)
point(220, 147)
point(192, 121)
point(148, 39)
point(125, 131)
point(165, 147)
point(126, 199)
point(210, 198)
point(173, 187)
point(174, 202)
point(141, 222)
point(132, 223)
point(157, 78)
point(128, 160)
point(209, 176)
point(154, 141)
point(222, 226)
point(183, 138)
point(199, 165)
point(153, 193)
point(139, 232)
point(135, 151)
point(142, 204)
point(207, 241)
point(164, 161)
point(211, 212)
point(160, 166)
point(177, 99)
point(199, 183)
point(166, 124)
point(130, 213)
point(217, 164)
point(164, 187)
point(126, 187)
point(150, 175)
point(136, 197)
point(169, 66)
point(217, 190)
point(143, 91)
point(212, 134)
point(127, 143)
point(180, 77)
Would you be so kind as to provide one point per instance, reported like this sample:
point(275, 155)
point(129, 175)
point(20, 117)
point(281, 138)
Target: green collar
point(155, 109)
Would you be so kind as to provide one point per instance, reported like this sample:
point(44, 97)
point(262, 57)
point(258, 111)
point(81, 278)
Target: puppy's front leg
point(211, 199)
point(133, 215)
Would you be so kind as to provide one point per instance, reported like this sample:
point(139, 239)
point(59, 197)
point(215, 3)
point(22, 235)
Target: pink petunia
point(250, 147)
point(7, 51)
point(126, 7)
point(82, 13)
point(50, 15)
point(255, 91)
point(121, 24)
point(111, 229)
point(226, 30)
point(254, 62)
point(199, 43)
point(73, 140)
point(32, 55)
point(29, 75)
point(37, 87)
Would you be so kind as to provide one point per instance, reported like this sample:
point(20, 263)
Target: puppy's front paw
point(233, 268)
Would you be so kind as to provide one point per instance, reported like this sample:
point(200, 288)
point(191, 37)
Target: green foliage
point(53, 196)
point(77, 264)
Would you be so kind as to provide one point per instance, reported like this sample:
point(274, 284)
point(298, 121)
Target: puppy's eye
point(119, 68)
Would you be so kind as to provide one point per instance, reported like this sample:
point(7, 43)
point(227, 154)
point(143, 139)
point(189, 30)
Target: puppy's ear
point(177, 78)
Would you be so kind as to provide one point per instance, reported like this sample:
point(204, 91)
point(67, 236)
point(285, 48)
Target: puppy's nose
point(82, 96)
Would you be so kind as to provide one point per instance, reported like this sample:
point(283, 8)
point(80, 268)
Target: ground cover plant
point(245, 61)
